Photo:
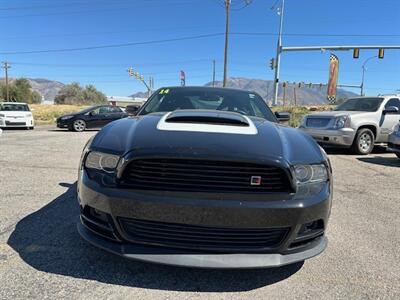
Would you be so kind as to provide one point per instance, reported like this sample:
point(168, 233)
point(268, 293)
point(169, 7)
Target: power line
point(121, 64)
point(315, 34)
point(194, 37)
point(103, 33)
point(197, 27)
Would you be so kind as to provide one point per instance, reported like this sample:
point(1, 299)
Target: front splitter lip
point(195, 260)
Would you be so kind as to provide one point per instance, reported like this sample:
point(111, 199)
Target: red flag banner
point(333, 78)
point(183, 78)
point(183, 75)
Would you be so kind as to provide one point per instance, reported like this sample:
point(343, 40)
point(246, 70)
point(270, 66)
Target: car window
point(115, 109)
point(14, 107)
point(170, 99)
point(360, 104)
point(104, 110)
point(393, 102)
point(94, 111)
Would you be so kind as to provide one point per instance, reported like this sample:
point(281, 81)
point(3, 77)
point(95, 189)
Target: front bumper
point(394, 143)
point(200, 260)
point(63, 123)
point(342, 137)
point(204, 209)
point(16, 122)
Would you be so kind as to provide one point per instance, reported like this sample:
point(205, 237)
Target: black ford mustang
point(205, 177)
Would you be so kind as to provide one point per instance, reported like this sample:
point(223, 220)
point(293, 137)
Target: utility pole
point(294, 96)
point(140, 77)
point(284, 93)
point(363, 73)
point(6, 66)
point(213, 77)
point(278, 55)
point(227, 10)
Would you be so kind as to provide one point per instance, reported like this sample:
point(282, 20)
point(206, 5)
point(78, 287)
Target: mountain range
point(305, 95)
point(48, 89)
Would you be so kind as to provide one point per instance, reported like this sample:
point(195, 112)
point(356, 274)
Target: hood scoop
point(207, 117)
point(207, 121)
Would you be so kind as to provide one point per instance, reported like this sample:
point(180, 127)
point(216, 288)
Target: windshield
point(360, 104)
point(246, 103)
point(86, 110)
point(14, 107)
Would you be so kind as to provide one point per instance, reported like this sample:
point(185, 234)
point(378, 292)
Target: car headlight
point(342, 122)
point(28, 115)
point(305, 174)
point(66, 118)
point(102, 161)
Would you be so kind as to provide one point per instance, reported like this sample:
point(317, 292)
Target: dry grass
point(47, 114)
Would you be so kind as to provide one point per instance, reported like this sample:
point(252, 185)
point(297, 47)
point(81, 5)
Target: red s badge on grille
point(255, 180)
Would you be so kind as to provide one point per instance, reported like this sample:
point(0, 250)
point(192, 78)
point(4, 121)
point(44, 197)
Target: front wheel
point(79, 125)
point(364, 142)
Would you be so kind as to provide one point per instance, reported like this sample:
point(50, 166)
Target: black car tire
point(364, 142)
point(79, 125)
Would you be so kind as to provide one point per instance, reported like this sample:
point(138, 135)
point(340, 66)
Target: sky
point(159, 38)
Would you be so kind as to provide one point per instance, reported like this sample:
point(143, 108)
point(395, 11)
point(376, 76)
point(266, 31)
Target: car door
point(93, 118)
point(105, 116)
point(116, 113)
point(389, 120)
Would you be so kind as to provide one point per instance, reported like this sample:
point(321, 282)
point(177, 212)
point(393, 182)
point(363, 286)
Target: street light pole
point(278, 55)
point(363, 73)
point(6, 66)
point(213, 77)
point(227, 9)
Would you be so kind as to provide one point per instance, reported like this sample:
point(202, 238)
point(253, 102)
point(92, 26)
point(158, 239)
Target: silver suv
point(358, 123)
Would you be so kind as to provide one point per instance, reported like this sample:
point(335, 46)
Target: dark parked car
point(92, 117)
point(205, 177)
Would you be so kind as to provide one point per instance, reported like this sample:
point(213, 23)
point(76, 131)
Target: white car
point(16, 114)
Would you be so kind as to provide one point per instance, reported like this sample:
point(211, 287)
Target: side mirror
point(132, 109)
point(391, 110)
point(91, 113)
point(282, 116)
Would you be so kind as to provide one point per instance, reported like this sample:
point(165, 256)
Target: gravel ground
point(42, 255)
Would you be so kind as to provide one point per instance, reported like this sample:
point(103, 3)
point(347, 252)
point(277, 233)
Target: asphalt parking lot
point(42, 255)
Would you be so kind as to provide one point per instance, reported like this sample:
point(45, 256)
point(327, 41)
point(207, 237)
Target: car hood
point(68, 115)
point(333, 113)
point(141, 137)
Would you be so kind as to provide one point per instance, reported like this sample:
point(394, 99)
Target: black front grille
point(317, 122)
point(174, 235)
point(204, 176)
point(9, 123)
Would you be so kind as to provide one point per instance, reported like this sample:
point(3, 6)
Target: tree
point(20, 90)
point(36, 97)
point(74, 94)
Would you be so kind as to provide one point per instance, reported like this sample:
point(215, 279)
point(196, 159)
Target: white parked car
point(16, 114)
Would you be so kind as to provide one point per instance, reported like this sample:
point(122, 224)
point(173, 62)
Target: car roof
point(13, 103)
